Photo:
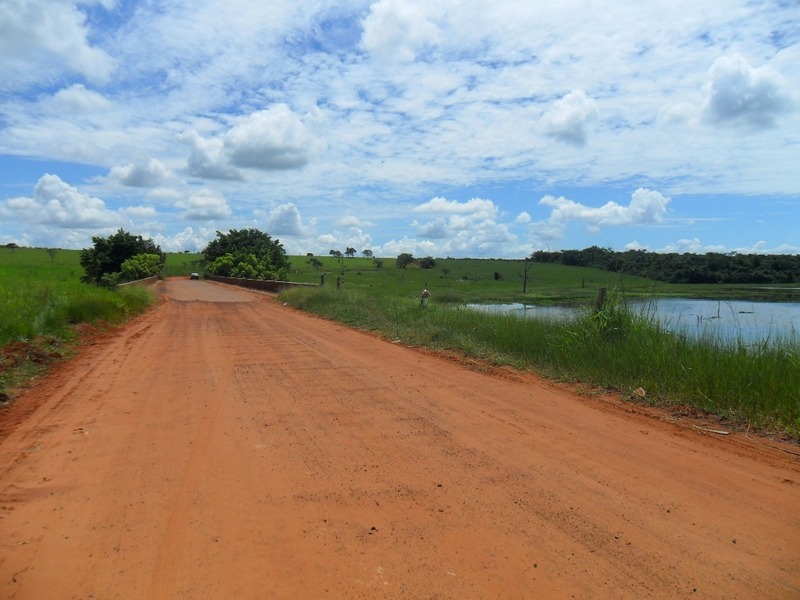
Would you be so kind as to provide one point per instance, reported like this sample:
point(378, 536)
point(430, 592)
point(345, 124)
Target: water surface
point(727, 320)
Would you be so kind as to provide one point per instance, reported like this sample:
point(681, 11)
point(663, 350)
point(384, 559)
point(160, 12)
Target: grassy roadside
point(42, 302)
point(613, 349)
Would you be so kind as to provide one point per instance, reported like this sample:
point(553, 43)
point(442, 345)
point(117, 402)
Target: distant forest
point(683, 268)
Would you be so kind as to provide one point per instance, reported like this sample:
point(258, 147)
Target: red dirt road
point(225, 446)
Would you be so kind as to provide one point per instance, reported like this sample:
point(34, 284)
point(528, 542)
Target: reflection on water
point(728, 320)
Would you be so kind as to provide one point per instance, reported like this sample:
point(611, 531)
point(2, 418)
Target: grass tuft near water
point(613, 348)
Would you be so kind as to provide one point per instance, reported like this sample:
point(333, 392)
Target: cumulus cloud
point(646, 206)
point(205, 205)
point(286, 220)
point(434, 230)
point(476, 207)
point(325, 240)
point(458, 226)
point(737, 93)
point(455, 216)
point(59, 204)
point(41, 38)
point(207, 159)
point(268, 140)
point(148, 175)
point(568, 119)
point(271, 139)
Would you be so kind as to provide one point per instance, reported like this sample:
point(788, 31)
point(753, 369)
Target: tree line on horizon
point(712, 267)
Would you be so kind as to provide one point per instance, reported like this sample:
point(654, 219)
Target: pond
point(727, 320)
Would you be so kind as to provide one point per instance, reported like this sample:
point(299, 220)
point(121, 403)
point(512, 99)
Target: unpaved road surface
point(226, 446)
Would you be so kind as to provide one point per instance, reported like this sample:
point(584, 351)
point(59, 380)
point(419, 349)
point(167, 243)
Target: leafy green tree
point(103, 262)
point(367, 253)
point(140, 267)
point(222, 266)
point(427, 263)
point(403, 260)
point(246, 253)
point(350, 252)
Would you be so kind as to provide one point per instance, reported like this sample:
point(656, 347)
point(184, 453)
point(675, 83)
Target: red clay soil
point(226, 446)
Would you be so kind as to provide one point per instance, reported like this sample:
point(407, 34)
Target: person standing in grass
point(423, 302)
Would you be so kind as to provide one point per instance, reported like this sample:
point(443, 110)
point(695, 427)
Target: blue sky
point(437, 127)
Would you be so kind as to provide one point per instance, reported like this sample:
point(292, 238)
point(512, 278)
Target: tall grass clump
point(34, 309)
point(617, 347)
point(610, 346)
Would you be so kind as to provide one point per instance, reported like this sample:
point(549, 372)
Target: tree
point(140, 266)
point(103, 262)
point(367, 253)
point(246, 253)
point(427, 263)
point(403, 260)
point(524, 275)
point(52, 253)
point(315, 263)
point(350, 252)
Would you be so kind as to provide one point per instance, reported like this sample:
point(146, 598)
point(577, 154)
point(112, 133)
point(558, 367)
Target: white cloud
point(189, 238)
point(207, 159)
point(436, 229)
point(568, 119)
point(696, 246)
point(646, 206)
point(139, 212)
point(39, 39)
point(678, 113)
point(478, 208)
point(272, 139)
point(399, 29)
point(286, 220)
point(325, 240)
point(59, 204)
point(148, 175)
point(523, 217)
point(353, 221)
point(77, 100)
point(461, 223)
point(205, 205)
point(269, 140)
point(738, 93)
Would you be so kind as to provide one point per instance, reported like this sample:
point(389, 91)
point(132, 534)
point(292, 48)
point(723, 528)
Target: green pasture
point(465, 280)
point(460, 280)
